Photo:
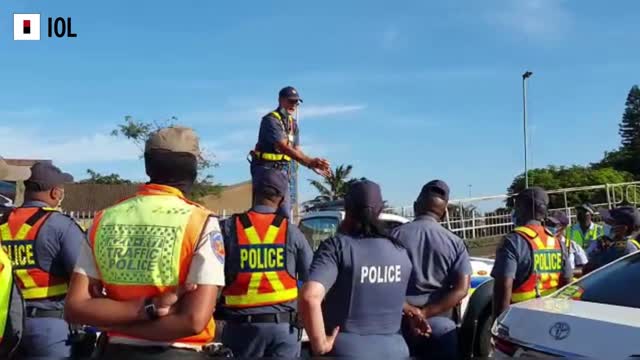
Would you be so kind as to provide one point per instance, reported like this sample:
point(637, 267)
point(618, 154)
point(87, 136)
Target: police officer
point(585, 232)
point(364, 274)
point(530, 262)
point(43, 245)
point(11, 303)
point(142, 252)
point(441, 272)
point(557, 224)
point(618, 240)
point(279, 143)
point(265, 253)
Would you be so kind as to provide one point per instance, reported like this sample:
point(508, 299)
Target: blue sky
point(405, 91)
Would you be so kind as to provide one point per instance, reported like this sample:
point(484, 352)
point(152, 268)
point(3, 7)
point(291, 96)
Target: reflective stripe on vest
point(17, 236)
point(547, 265)
point(636, 243)
point(144, 245)
point(6, 284)
point(262, 278)
point(574, 233)
point(290, 139)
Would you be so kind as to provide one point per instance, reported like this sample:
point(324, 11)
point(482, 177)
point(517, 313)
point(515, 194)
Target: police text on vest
point(380, 274)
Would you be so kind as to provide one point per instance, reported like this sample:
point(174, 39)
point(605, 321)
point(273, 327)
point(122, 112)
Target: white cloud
point(314, 111)
point(32, 144)
point(542, 19)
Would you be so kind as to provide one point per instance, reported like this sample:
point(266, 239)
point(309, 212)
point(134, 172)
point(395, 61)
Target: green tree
point(559, 177)
point(139, 131)
point(626, 157)
point(97, 178)
point(335, 186)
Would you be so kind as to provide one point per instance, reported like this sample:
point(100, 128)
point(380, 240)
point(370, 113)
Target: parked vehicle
point(597, 316)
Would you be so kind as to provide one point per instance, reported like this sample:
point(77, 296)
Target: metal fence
point(470, 218)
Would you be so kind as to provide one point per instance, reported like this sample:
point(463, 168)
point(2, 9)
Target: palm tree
point(334, 187)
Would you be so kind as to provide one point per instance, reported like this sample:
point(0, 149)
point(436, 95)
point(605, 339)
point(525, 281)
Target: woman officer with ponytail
point(364, 274)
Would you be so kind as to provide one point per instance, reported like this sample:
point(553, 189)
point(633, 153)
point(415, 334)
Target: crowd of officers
point(155, 273)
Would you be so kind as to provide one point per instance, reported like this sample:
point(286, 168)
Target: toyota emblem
point(560, 331)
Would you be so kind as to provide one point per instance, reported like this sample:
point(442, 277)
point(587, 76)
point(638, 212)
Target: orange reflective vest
point(262, 278)
point(143, 247)
point(547, 264)
point(18, 236)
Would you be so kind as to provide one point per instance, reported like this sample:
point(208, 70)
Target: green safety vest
point(11, 309)
point(574, 233)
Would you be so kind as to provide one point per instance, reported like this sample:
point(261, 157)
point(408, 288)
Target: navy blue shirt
point(366, 281)
point(438, 257)
point(56, 249)
point(514, 259)
point(274, 130)
point(602, 257)
point(297, 261)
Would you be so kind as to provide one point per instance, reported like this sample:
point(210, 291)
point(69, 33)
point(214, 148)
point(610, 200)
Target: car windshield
point(613, 285)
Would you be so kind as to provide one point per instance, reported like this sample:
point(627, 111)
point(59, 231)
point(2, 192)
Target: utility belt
point(108, 350)
point(267, 157)
point(33, 312)
point(277, 318)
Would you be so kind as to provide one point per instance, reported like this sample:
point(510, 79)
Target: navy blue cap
point(559, 218)
point(46, 176)
point(437, 188)
point(364, 194)
point(534, 195)
point(289, 92)
point(586, 207)
point(623, 215)
point(271, 179)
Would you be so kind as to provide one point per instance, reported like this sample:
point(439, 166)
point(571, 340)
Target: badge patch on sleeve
point(217, 244)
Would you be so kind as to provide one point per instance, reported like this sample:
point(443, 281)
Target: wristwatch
point(150, 309)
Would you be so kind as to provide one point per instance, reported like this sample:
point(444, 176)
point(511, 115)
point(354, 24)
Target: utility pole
point(525, 76)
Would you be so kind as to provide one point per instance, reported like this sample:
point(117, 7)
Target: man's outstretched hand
point(321, 166)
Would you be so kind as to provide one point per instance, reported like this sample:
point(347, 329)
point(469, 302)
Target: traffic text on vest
point(380, 274)
point(264, 258)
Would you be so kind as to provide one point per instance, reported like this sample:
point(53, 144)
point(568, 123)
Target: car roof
point(340, 214)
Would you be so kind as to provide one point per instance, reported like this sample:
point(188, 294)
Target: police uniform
point(603, 255)
point(266, 256)
point(438, 257)
point(366, 281)
point(587, 240)
point(276, 126)
point(43, 245)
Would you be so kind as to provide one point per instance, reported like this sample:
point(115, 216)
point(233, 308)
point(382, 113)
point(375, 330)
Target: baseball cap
point(289, 92)
point(438, 188)
point(559, 218)
point(534, 195)
point(623, 215)
point(13, 173)
point(586, 207)
point(273, 179)
point(45, 176)
point(174, 139)
point(364, 194)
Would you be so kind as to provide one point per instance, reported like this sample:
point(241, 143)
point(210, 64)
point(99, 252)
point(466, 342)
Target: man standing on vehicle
point(266, 256)
point(43, 245)
point(622, 223)
point(585, 232)
point(441, 272)
point(279, 143)
point(529, 262)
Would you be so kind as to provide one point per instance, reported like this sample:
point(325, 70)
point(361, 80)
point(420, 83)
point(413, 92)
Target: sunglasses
point(293, 101)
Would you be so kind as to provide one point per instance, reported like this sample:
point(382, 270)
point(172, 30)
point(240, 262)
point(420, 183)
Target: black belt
point(33, 312)
point(283, 317)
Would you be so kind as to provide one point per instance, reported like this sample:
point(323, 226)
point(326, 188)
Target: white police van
point(474, 313)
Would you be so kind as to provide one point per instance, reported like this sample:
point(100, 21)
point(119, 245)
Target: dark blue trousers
point(390, 346)
point(44, 338)
point(262, 340)
point(442, 344)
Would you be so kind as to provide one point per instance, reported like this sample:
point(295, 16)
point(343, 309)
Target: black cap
point(45, 176)
point(271, 179)
point(587, 208)
point(559, 218)
point(289, 92)
point(364, 194)
point(437, 188)
point(534, 195)
point(623, 215)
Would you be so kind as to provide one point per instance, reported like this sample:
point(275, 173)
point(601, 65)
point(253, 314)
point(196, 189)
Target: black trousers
point(125, 352)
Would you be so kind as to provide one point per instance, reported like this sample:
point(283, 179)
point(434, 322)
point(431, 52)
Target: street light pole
point(525, 76)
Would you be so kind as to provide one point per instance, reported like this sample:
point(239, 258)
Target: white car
point(474, 315)
point(597, 316)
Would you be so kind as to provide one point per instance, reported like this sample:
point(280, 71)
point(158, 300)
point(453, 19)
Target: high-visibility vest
point(574, 233)
point(11, 309)
point(547, 264)
point(289, 131)
point(143, 247)
point(18, 234)
point(636, 243)
point(262, 278)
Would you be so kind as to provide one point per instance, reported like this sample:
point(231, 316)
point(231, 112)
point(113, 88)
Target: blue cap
point(289, 92)
point(46, 176)
point(559, 218)
point(623, 215)
point(437, 188)
point(271, 179)
point(364, 194)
